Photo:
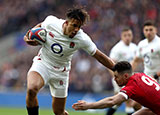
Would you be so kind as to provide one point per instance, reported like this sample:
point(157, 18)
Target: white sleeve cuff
point(94, 51)
point(125, 95)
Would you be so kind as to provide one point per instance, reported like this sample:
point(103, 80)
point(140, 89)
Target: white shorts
point(56, 77)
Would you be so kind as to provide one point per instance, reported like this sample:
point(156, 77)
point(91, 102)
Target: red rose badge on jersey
point(72, 44)
point(61, 82)
point(152, 50)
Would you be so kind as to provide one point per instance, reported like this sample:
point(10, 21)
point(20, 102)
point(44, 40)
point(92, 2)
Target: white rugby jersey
point(122, 52)
point(150, 52)
point(59, 48)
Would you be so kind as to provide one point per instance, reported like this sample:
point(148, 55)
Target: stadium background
point(88, 79)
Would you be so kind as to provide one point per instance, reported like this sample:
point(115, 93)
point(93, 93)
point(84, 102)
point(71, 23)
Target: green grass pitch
point(22, 111)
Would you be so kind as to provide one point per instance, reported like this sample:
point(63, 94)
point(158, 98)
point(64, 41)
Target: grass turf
point(22, 111)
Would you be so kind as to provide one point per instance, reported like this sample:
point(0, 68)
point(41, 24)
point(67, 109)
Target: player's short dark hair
point(149, 23)
point(126, 28)
point(122, 67)
point(78, 13)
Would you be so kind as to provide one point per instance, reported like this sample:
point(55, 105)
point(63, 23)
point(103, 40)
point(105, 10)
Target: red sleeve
point(129, 89)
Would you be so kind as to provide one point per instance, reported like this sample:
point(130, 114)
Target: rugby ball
point(38, 34)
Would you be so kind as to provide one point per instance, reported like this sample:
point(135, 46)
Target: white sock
point(129, 110)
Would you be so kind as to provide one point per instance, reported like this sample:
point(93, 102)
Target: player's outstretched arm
point(105, 60)
point(101, 104)
point(31, 42)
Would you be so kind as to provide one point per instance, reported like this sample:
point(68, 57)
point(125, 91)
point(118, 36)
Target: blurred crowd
point(107, 19)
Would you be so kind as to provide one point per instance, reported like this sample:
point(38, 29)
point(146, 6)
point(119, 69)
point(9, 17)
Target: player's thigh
point(34, 80)
point(58, 104)
point(38, 74)
point(144, 111)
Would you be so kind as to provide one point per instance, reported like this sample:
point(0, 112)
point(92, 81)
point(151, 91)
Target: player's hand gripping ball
point(38, 34)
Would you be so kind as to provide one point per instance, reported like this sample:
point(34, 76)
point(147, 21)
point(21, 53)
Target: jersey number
point(149, 82)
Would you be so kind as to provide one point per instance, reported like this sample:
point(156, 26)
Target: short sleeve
point(125, 95)
point(49, 19)
point(88, 45)
point(129, 90)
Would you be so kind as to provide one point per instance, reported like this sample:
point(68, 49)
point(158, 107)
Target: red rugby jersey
point(144, 90)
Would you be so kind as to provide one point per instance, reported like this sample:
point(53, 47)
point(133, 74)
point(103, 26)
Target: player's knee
point(32, 92)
